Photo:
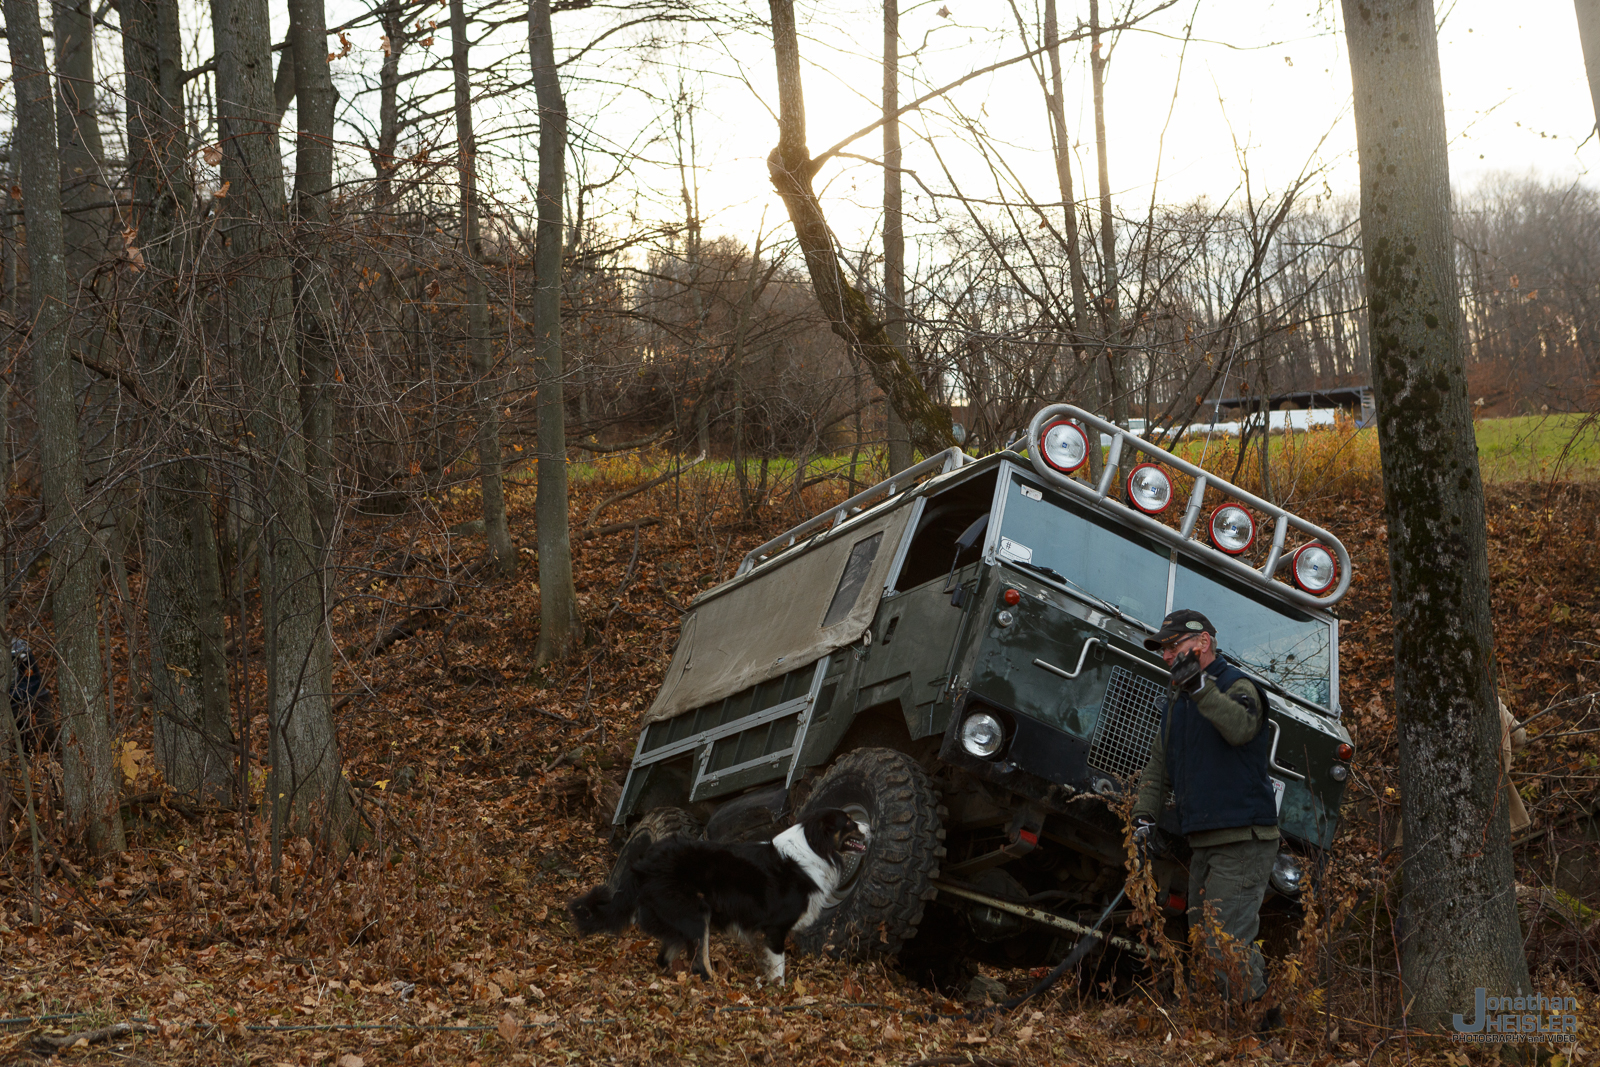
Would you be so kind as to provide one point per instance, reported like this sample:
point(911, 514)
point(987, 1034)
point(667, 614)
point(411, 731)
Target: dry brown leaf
point(128, 759)
point(212, 154)
point(134, 256)
point(350, 1059)
point(508, 1028)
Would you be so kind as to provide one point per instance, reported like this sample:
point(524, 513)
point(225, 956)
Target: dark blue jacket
point(1216, 785)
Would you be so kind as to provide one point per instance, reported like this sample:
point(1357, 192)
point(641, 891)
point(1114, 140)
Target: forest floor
point(488, 787)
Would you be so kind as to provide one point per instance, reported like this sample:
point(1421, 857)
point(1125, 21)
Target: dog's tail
point(604, 909)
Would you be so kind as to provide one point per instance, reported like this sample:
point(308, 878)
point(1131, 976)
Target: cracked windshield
point(1278, 642)
point(1097, 556)
point(1092, 554)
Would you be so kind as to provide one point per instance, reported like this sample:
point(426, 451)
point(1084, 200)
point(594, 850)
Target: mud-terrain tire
point(884, 892)
point(658, 824)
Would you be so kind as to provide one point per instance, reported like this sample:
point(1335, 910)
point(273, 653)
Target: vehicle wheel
point(883, 893)
point(659, 824)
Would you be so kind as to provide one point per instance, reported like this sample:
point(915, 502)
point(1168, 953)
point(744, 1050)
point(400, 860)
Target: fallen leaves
point(458, 918)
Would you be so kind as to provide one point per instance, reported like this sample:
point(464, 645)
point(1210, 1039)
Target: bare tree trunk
point(193, 735)
point(84, 233)
point(689, 192)
point(313, 183)
point(313, 296)
point(1589, 35)
point(1458, 909)
point(89, 785)
point(560, 628)
point(791, 168)
point(894, 232)
point(13, 764)
point(1056, 101)
point(388, 104)
point(308, 790)
point(78, 132)
point(1113, 391)
point(756, 285)
point(480, 345)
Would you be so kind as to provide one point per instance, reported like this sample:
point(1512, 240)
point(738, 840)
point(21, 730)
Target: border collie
point(679, 891)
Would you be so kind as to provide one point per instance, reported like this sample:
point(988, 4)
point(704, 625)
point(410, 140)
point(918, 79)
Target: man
point(1211, 751)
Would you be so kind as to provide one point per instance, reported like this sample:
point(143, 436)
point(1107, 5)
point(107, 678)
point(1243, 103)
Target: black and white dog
point(679, 891)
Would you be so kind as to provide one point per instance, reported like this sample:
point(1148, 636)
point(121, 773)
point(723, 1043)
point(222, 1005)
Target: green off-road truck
point(956, 656)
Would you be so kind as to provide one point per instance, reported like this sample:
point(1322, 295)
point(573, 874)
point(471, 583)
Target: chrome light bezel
point(1287, 877)
point(1211, 528)
point(1327, 554)
point(1133, 497)
point(1066, 466)
point(974, 745)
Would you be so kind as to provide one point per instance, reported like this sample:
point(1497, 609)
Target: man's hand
point(1146, 842)
point(1187, 674)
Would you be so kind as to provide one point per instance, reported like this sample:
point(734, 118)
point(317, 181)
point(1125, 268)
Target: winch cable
point(1073, 958)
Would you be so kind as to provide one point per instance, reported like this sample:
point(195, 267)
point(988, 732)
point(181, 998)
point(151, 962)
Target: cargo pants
point(1232, 878)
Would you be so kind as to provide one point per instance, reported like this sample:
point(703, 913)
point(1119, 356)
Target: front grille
point(1130, 714)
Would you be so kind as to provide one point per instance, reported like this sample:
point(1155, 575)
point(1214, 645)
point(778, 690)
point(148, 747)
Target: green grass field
point(1540, 448)
point(1561, 447)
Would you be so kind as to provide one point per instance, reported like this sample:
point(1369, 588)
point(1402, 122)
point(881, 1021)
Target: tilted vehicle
point(956, 657)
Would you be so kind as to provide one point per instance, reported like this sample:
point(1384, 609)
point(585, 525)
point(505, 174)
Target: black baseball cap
point(1177, 624)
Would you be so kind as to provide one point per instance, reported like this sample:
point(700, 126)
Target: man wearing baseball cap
point(1212, 751)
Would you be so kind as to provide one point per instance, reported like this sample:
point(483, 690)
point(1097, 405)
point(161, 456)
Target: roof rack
point(1181, 538)
point(940, 462)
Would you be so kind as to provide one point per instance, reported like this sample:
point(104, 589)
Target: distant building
point(1356, 399)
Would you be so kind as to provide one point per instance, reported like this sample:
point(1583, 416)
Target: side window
point(852, 580)
point(944, 519)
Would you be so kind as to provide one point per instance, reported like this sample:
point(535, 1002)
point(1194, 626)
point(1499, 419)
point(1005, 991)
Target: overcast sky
point(1266, 83)
point(1263, 84)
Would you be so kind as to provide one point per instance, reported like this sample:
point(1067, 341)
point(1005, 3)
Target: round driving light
point(1064, 446)
point(1232, 529)
point(1338, 772)
point(1344, 751)
point(1286, 877)
point(1012, 597)
point(981, 734)
point(1315, 569)
point(1149, 488)
point(1004, 619)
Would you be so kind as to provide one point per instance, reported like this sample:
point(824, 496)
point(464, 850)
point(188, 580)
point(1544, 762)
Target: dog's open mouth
point(853, 844)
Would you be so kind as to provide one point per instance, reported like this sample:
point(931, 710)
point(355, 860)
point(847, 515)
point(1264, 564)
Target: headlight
point(1149, 488)
point(981, 734)
point(1064, 446)
point(1232, 529)
point(1286, 877)
point(1315, 569)
point(1338, 772)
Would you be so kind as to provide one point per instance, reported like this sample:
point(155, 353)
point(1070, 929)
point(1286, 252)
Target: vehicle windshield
point(1089, 552)
point(1284, 645)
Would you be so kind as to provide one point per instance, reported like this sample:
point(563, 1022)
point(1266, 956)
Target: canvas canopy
point(804, 605)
